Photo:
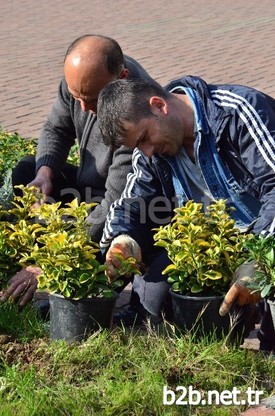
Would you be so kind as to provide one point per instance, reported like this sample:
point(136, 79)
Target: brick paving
point(221, 41)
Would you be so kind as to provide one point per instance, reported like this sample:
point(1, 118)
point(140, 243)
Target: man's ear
point(158, 104)
point(124, 73)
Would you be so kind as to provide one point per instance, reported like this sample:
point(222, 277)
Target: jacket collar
point(216, 117)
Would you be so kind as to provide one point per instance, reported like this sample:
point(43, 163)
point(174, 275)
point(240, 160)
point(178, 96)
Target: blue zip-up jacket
point(239, 133)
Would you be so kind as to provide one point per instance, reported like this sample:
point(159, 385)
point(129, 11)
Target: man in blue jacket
point(194, 141)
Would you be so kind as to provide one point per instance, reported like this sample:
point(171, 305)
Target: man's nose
point(88, 106)
point(84, 106)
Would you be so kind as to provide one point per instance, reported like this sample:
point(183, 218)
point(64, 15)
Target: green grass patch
point(22, 324)
point(123, 372)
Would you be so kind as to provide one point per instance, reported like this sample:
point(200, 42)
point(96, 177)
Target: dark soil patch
point(26, 353)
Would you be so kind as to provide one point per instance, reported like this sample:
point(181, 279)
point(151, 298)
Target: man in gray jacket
point(90, 63)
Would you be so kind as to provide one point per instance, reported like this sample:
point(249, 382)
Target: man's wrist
point(45, 172)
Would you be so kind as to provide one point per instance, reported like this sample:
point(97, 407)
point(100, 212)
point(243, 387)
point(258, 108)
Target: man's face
point(85, 83)
point(155, 134)
point(88, 96)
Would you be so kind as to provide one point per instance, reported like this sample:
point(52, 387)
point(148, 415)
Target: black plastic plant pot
point(199, 315)
point(74, 320)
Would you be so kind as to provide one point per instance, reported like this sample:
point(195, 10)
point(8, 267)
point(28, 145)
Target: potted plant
point(205, 248)
point(56, 239)
point(81, 297)
point(261, 249)
point(17, 233)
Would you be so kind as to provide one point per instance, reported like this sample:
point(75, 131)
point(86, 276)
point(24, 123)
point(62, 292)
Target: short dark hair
point(112, 52)
point(121, 101)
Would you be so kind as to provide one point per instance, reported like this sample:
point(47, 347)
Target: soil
point(33, 352)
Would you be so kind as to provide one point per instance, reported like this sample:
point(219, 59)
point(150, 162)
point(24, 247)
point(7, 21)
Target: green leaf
point(196, 288)
point(270, 256)
point(266, 290)
point(108, 293)
point(81, 293)
point(62, 286)
point(84, 277)
point(169, 269)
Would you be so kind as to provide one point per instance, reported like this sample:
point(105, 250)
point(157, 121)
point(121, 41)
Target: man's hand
point(22, 285)
point(43, 181)
point(239, 291)
point(124, 246)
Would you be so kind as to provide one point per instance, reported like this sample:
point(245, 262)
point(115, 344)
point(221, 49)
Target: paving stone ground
point(221, 41)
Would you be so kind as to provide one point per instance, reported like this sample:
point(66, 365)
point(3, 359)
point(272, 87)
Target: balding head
point(91, 62)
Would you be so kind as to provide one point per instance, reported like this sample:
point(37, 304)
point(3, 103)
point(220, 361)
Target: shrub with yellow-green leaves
point(66, 254)
point(70, 261)
point(205, 248)
point(18, 233)
point(13, 148)
point(56, 239)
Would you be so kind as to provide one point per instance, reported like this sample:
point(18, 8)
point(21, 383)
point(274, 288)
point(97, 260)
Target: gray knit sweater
point(102, 171)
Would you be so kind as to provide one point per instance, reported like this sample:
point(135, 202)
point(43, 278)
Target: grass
point(23, 324)
point(119, 372)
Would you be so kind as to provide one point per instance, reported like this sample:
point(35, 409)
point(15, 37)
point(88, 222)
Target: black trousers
point(266, 334)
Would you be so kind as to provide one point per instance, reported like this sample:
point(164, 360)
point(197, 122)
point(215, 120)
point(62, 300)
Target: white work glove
point(240, 291)
point(124, 246)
